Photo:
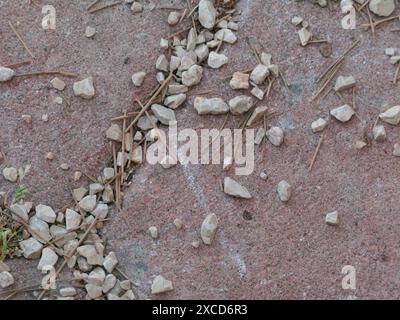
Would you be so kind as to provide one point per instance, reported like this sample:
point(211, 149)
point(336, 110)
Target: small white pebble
point(90, 32)
point(27, 118)
point(64, 166)
point(178, 223)
point(332, 218)
point(153, 232)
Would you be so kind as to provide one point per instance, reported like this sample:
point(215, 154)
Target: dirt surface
point(285, 251)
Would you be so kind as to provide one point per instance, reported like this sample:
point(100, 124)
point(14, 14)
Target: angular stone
point(94, 291)
point(207, 14)
point(178, 223)
point(192, 76)
point(10, 174)
point(215, 106)
point(128, 295)
point(164, 43)
point(176, 89)
point(6, 279)
point(382, 8)
point(84, 88)
point(137, 154)
point(79, 193)
point(173, 18)
point(146, 123)
point(49, 258)
point(160, 284)
point(138, 78)
point(110, 262)
point(284, 191)
point(304, 35)
point(19, 211)
point(45, 213)
point(58, 84)
point(379, 133)
point(360, 144)
point(234, 189)
point(162, 63)
point(92, 256)
point(259, 74)
point(175, 63)
point(343, 83)
point(108, 194)
point(390, 52)
point(391, 116)
point(97, 277)
point(187, 61)
point(396, 150)
point(258, 93)
point(136, 7)
point(240, 104)
point(225, 35)
point(31, 248)
point(394, 59)
point(40, 229)
point(318, 125)
point(160, 77)
point(332, 218)
point(163, 114)
point(101, 211)
point(259, 136)
point(114, 132)
point(153, 232)
point(216, 60)
point(202, 52)
point(68, 292)
point(6, 74)
point(95, 188)
point(209, 228)
point(233, 26)
point(275, 135)
point(257, 114)
point(88, 203)
point(296, 20)
point(72, 219)
point(266, 59)
point(343, 113)
point(90, 32)
point(191, 40)
point(274, 70)
point(126, 284)
point(58, 232)
point(109, 283)
point(175, 101)
point(83, 265)
point(240, 81)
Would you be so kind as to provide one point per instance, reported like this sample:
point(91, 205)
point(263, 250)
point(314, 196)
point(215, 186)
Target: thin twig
point(338, 60)
point(396, 75)
point(18, 64)
point(21, 40)
point(92, 4)
point(331, 76)
point(44, 73)
point(106, 6)
point(316, 153)
point(371, 22)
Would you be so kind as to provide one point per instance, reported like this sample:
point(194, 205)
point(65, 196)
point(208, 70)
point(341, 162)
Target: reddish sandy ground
point(285, 251)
